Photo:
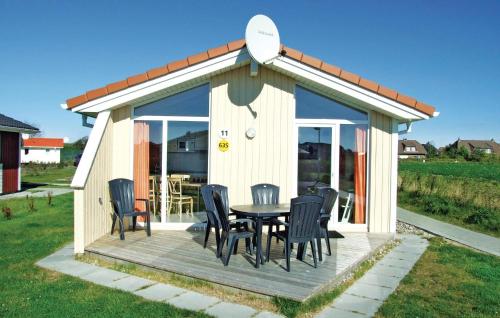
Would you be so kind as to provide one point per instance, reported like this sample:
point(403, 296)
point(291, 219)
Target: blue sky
point(445, 53)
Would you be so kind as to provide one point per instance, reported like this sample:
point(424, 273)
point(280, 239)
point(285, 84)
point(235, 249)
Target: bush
point(486, 218)
point(7, 212)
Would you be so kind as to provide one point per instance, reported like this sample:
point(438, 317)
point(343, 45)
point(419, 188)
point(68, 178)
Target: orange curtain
point(360, 176)
point(141, 163)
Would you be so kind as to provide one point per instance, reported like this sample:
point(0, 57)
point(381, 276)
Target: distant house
point(42, 150)
point(411, 149)
point(485, 146)
point(10, 145)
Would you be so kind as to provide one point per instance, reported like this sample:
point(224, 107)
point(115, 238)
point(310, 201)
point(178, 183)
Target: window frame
point(332, 98)
point(335, 124)
point(163, 224)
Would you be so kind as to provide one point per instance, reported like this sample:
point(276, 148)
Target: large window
point(314, 106)
point(171, 177)
point(192, 103)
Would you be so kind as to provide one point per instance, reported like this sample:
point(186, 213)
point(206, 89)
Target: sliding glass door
point(332, 152)
point(171, 155)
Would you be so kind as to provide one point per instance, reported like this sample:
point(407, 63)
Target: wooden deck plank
point(182, 252)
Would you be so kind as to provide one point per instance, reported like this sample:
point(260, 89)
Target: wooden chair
point(347, 208)
point(177, 198)
point(123, 200)
point(153, 191)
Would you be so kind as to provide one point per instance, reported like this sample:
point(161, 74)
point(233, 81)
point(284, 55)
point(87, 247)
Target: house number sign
point(223, 145)
point(223, 133)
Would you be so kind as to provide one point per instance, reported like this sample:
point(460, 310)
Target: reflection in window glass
point(314, 158)
point(314, 106)
point(187, 166)
point(352, 174)
point(187, 148)
point(192, 102)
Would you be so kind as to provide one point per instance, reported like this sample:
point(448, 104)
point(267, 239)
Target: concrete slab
point(404, 256)
point(379, 280)
point(79, 269)
point(229, 310)
point(193, 301)
point(357, 304)
point(400, 263)
point(370, 291)
point(331, 312)
point(479, 241)
point(103, 276)
point(160, 292)
point(267, 314)
point(388, 271)
point(131, 283)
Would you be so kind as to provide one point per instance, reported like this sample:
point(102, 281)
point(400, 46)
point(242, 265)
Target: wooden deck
point(182, 252)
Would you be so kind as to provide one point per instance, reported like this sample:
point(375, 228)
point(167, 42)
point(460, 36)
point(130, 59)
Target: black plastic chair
point(329, 196)
point(301, 228)
point(265, 193)
point(123, 200)
point(212, 218)
point(230, 235)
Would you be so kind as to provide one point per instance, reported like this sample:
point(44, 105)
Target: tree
point(81, 143)
point(432, 151)
point(477, 155)
point(463, 152)
point(37, 134)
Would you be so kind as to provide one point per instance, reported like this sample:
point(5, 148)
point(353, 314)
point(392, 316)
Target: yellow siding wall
point(266, 158)
point(122, 156)
point(93, 210)
point(96, 206)
point(379, 203)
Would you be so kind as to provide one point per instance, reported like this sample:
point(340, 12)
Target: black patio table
point(259, 213)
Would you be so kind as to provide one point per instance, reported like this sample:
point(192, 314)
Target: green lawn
point(476, 170)
point(448, 281)
point(28, 291)
point(37, 173)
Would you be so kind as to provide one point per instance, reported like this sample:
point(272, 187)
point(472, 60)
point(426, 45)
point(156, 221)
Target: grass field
point(37, 173)
point(466, 194)
point(28, 291)
point(475, 170)
point(448, 281)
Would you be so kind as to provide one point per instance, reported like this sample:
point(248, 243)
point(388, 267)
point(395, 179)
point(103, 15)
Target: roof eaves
point(357, 80)
point(236, 45)
point(154, 73)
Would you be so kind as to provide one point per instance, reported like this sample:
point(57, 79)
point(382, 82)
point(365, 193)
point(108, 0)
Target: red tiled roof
point(44, 143)
point(236, 45)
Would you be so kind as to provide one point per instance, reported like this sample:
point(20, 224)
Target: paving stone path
point(362, 299)
point(479, 241)
point(40, 192)
point(367, 294)
point(63, 261)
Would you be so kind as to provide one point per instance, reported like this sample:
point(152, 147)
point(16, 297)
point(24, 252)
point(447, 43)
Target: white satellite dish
point(262, 39)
